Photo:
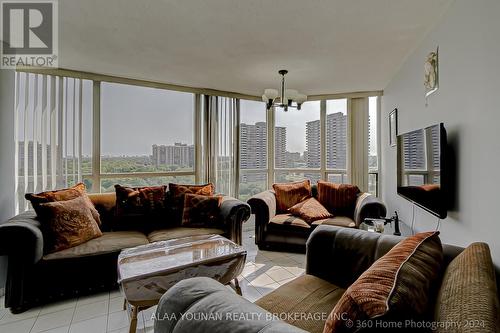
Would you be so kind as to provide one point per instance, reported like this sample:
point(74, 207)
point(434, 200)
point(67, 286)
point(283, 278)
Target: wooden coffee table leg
point(237, 287)
point(124, 303)
point(133, 319)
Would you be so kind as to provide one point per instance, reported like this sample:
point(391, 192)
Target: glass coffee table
point(146, 272)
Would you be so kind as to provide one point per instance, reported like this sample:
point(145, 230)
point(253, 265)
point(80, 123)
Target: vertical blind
point(48, 133)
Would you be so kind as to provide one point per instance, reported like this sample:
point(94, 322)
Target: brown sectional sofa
point(35, 277)
point(465, 299)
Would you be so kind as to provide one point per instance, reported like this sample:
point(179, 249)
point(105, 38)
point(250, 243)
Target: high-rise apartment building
point(280, 147)
point(336, 142)
point(179, 154)
point(414, 151)
point(313, 144)
point(253, 143)
point(253, 146)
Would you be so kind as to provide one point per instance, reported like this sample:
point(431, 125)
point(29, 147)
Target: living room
point(249, 166)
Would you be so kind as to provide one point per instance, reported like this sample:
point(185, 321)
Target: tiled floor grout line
point(32, 326)
point(73, 315)
point(107, 312)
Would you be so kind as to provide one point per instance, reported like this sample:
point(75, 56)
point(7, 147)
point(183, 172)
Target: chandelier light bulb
point(286, 96)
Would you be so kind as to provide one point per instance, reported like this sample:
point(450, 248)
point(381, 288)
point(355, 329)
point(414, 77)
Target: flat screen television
point(421, 168)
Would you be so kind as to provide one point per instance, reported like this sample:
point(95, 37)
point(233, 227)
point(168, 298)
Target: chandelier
point(285, 98)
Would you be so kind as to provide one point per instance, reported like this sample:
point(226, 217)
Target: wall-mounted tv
point(421, 159)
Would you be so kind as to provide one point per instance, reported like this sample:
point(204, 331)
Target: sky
point(295, 120)
point(134, 118)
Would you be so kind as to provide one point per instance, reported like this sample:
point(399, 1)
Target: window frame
point(376, 172)
point(252, 171)
point(97, 174)
point(322, 170)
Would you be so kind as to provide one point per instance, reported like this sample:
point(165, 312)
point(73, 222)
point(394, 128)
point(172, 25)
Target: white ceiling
point(329, 46)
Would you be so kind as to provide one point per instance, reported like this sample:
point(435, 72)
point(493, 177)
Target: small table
point(146, 272)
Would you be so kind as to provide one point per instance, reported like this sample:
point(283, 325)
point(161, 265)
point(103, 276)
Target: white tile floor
point(263, 272)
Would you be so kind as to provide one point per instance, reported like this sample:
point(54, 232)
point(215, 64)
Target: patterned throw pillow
point(76, 191)
point(68, 223)
point(398, 284)
point(139, 200)
point(310, 210)
point(339, 199)
point(201, 211)
point(178, 191)
point(290, 194)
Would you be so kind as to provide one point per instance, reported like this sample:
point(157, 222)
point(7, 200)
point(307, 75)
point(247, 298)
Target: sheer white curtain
point(358, 142)
point(221, 142)
point(48, 134)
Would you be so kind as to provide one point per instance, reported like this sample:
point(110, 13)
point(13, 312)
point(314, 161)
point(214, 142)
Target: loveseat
point(35, 277)
point(465, 298)
point(282, 231)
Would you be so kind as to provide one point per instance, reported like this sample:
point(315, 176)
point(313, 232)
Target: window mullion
point(322, 118)
point(270, 146)
point(96, 136)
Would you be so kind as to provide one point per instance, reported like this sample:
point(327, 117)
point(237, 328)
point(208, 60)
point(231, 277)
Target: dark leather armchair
point(286, 232)
point(335, 258)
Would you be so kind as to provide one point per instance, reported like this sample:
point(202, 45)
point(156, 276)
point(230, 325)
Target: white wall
point(7, 80)
point(468, 103)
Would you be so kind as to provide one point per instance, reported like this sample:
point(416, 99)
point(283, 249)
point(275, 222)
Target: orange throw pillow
point(398, 283)
point(290, 194)
point(180, 190)
point(79, 190)
point(339, 199)
point(68, 223)
point(310, 210)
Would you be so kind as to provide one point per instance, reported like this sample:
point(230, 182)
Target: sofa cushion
point(468, 293)
point(310, 210)
point(308, 295)
point(290, 194)
point(109, 242)
point(339, 221)
point(179, 232)
point(79, 190)
point(398, 285)
point(288, 222)
point(68, 223)
point(339, 199)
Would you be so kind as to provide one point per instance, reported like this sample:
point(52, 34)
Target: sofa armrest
point(264, 207)
point(234, 212)
point(340, 255)
point(204, 305)
point(368, 205)
point(22, 238)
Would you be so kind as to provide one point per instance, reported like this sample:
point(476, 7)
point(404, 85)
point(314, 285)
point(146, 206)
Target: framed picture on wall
point(393, 127)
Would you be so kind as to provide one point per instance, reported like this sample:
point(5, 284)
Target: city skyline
point(127, 110)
